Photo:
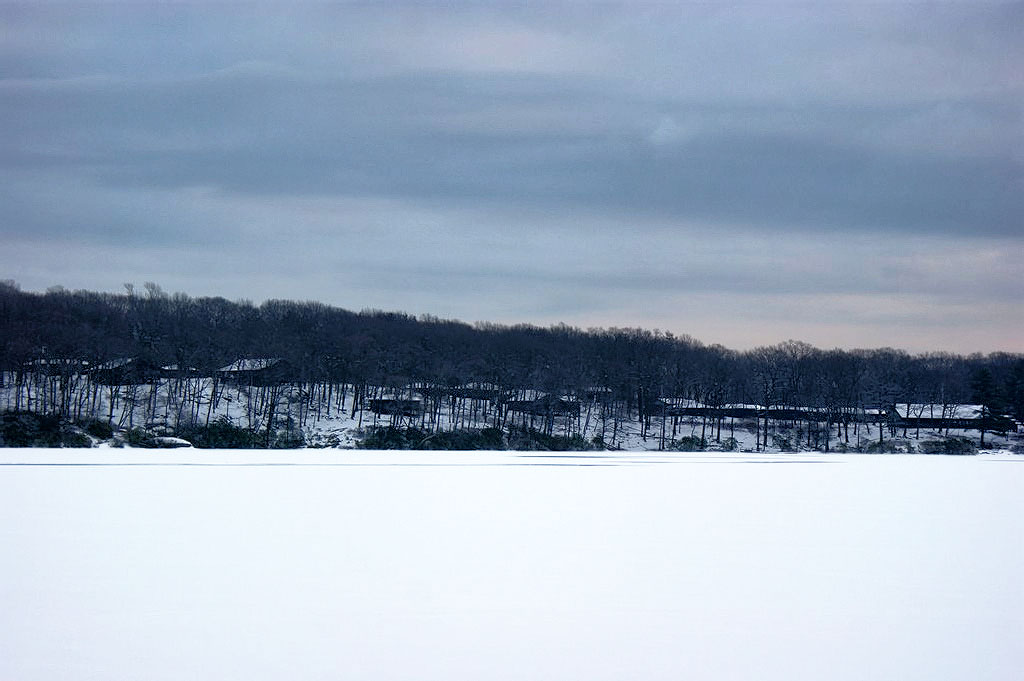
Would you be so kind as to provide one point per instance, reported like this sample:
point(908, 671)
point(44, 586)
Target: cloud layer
point(851, 174)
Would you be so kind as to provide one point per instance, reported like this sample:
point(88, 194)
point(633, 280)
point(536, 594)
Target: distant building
point(394, 407)
point(125, 371)
point(545, 406)
point(179, 371)
point(57, 366)
point(258, 371)
point(952, 417)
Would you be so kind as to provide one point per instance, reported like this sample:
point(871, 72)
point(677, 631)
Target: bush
point(26, 429)
point(75, 439)
point(492, 438)
point(98, 429)
point(530, 440)
point(389, 437)
point(958, 446)
point(23, 429)
point(324, 441)
point(289, 439)
point(222, 434)
point(690, 443)
point(138, 437)
point(886, 447)
point(384, 437)
point(782, 443)
point(487, 438)
point(729, 444)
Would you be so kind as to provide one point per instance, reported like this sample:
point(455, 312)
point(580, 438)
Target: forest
point(81, 354)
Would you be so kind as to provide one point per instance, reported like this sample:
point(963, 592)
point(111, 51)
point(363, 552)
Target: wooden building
point(396, 407)
point(257, 371)
point(125, 371)
point(56, 366)
point(545, 406)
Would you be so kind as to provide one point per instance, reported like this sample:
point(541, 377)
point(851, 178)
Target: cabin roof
point(937, 411)
point(251, 364)
point(115, 363)
point(59, 362)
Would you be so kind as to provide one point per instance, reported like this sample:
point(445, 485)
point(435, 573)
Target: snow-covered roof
point(115, 363)
point(529, 394)
point(57, 362)
point(251, 364)
point(684, 403)
point(939, 411)
point(478, 386)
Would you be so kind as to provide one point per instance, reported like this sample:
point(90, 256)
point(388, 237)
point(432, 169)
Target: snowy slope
point(328, 420)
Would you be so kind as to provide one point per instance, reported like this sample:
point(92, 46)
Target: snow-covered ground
point(326, 419)
point(327, 564)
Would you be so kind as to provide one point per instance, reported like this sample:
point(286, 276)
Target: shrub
point(383, 437)
point(487, 438)
point(75, 439)
point(389, 437)
point(782, 443)
point(530, 440)
point(492, 438)
point(886, 447)
point(222, 434)
point(729, 444)
point(137, 437)
point(689, 443)
point(289, 439)
point(98, 429)
point(324, 441)
point(955, 446)
point(961, 446)
point(21, 429)
point(26, 429)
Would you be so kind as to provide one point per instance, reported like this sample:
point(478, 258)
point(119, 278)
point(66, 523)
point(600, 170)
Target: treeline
point(324, 345)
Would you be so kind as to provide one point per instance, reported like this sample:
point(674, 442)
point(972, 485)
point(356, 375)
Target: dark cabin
point(433, 390)
point(392, 407)
point(471, 391)
point(545, 406)
point(951, 417)
point(57, 366)
point(479, 391)
point(125, 371)
point(257, 371)
point(179, 371)
point(597, 393)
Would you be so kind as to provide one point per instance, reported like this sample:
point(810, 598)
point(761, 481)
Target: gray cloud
point(587, 155)
point(252, 131)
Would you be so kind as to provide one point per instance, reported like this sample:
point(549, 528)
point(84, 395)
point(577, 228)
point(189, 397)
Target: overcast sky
point(848, 174)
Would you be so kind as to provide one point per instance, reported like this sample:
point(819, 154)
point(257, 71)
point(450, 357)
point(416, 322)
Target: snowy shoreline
point(318, 457)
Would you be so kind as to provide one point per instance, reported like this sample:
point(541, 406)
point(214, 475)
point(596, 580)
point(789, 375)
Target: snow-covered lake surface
point(314, 564)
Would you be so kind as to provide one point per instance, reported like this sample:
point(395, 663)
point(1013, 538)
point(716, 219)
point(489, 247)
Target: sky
point(849, 174)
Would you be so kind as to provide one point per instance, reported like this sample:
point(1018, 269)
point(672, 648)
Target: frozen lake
point(320, 564)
